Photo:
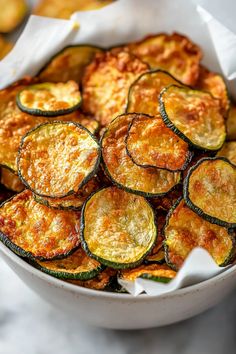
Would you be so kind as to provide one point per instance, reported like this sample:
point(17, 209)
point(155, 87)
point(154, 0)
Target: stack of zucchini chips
point(115, 165)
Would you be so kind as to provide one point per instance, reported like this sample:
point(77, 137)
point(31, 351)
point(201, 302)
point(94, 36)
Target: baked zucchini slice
point(117, 228)
point(56, 159)
point(76, 266)
point(161, 273)
point(231, 123)
point(12, 14)
point(150, 143)
point(165, 202)
point(185, 230)
point(157, 254)
point(214, 83)
point(106, 83)
point(72, 202)
point(144, 91)
point(193, 115)
point(210, 190)
point(5, 47)
point(49, 99)
point(68, 64)
point(229, 151)
point(32, 230)
point(11, 181)
point(171, 52)
point(101, 282)
point(119, 167)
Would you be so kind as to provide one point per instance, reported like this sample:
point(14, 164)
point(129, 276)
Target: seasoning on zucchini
point(162, 273)
point(150, 143)
point(12, 14)
point(231, 123)
point(119, 167)
point(210, 190)
point(117, 228)
point(49, 99)
point(68, 64)
point(193, 115)
point(229, 151)
point(56, 159)
point(101, 282)
point(185, 230)
point(174, 53)
point(35, 231)
point(72, 202)
point(106, 83)
point(76, 266)
point(5, 47)
point(11, 181)
point(144, 91)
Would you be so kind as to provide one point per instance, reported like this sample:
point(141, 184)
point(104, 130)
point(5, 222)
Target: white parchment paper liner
point(121, 22)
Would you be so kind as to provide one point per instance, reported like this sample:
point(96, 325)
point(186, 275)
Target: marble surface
point(28, 325)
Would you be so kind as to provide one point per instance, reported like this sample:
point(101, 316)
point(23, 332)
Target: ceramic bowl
point(122, 311)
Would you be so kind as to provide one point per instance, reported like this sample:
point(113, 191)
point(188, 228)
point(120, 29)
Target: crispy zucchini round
point(150, 143)
point(185, 230)
point(76, 266)
point(106, 83)
point(231, 123)
point(49, 99)
point(162, 273)
point(57, 159)
point(5, 47)
point(119, 167)
point(117, 228)
point(12, 14)
point(35, 231)
point(193, 115)
point(144, 91)
point(100, 282)
point(11, 181)
point(68, 64)
point(210, 190)
point(229, 151)
point(174, 53)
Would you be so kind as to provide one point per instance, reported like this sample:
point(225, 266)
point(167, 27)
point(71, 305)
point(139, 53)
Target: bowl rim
point(110, 295)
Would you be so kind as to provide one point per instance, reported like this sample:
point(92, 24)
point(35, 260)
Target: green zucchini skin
point(195, 208)
point(90, 175)
point(170, 125)
point(154, 278)
point(105, 261)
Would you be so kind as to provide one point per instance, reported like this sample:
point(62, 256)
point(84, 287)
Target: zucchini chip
point(193, 115)
point(5, 47)
point(56, 159)
point(185, 230)
point(72, 202)
point(210, 190)
point(117, 228)
point(229, 151)
point(101, 282)
point(11, 181)
point(76, 266)
point(174, 53)
point(144, 91)
point(12, 14)
point(119, 167)
point(106, 83)
point(157, 254)
point(49, 99)
point(35, 231)
point(165, 202)
point(214, 83)
point(161, 273)
point(150, 143)
point(231, 123)
point(68, 64)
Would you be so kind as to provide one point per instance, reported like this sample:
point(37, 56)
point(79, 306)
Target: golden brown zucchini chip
point(185, 230)
point(117, 228)
point(144, 91)
point(76, 266)
point(210, 190)
point(72, 202)
point(123, 171)
point(174, 53)
point(231, 123)
point(161, 273)
point(100, 282)
point(11, 181)
point(214, 83)
point(5, 47)
point(229, 151)
point(35, 231)
point(165, 202)
point(68, 64)
point(64, 9)
point(49, 99)
point(150, 143)
point(12, 14)
point(106, 83)
point(193, 115)
point(56, 159)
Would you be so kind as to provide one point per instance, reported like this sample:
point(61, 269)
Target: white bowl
point(122, 311)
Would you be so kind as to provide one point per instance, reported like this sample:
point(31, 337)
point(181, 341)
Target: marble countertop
point(28, 325)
